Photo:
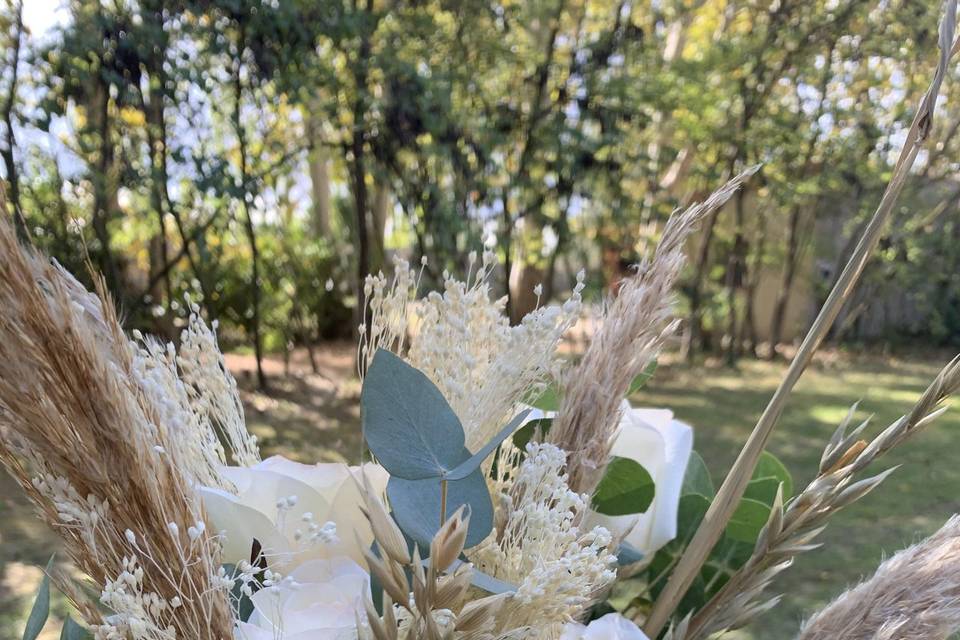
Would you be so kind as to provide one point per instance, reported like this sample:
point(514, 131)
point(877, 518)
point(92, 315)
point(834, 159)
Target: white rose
point(612, 626)
point(286, 506)
point(662, 446)
point(319, 600)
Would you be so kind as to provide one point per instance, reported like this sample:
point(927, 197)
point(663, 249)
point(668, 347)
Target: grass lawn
point(313, 417)
point(723, 405)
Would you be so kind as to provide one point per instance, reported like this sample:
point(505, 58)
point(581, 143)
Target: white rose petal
point(612, 626)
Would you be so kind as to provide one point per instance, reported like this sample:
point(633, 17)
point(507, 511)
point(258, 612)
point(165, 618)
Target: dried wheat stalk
point(728, 497)
point(635, 326)
point(791, 531)
point(86, 444)
point(915, 594)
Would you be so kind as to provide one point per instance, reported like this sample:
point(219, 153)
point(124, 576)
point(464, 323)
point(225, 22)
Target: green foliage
point(734, 547)
point(626, 488)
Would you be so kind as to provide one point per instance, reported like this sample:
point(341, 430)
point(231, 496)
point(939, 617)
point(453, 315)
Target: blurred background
point(263, 156)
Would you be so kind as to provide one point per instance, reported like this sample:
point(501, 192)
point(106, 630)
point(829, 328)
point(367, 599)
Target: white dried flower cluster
point(136, 614)
point(462, 340)
point(387, 302)
point(558, 568)
point(197, 400)
point(212, 390)
point(84, 515)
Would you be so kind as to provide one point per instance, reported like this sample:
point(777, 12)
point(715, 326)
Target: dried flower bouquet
point(506, 494)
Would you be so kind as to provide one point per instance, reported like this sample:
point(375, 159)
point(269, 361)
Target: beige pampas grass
point(635, 326)
point(86, 442)
point(915, 594)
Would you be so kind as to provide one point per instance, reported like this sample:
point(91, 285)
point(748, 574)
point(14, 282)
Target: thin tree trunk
point(102, 183)
point(378, 219)
point(247, 218)
point(748, 334)
point(319, 162)
point(692, 336)
point(20, 223)
point(358, 171)
point(786, 282)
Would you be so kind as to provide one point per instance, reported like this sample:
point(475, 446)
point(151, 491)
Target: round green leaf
point(625, 488)
point(769, 466)
point(697, 478)
point(748, 520)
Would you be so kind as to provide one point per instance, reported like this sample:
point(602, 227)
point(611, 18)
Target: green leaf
point(407, 423)
point(73, 631)
point(546, 400)
point(41, 607)
point(697, 478)
point(768, 466)
point(762, 490)
point(473, 463)
point(748, 520)
point(416, 506)
point(525, 433)
point(642, 379)
point(626, 488)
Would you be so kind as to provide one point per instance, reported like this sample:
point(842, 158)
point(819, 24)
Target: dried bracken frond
point(791, 531)
point(915, 594)
point(634, 328)
point(84, 430)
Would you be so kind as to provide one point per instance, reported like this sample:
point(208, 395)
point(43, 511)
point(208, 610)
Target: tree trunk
point(104, 195)
point(319, 162)
point(378, 220)
point(691, 340)
point(20, 223)
point(247, 218)
point(786, 282)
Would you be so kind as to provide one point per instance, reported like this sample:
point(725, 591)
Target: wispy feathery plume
point(634, 328)
point(915, 594)
point(791, 531)
point(82, 432)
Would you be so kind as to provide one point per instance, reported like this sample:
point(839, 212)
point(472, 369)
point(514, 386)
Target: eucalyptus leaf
point(41, 607)
point(407, 423)
point(472, 463)
point(627, 554)
point(73, 631)
point(626, 488)
point(482, 580)
point(416, 506)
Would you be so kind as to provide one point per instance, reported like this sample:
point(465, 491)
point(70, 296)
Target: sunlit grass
point(723, 405)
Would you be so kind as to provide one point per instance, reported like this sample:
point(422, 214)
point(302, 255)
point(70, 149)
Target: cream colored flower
point(296, 512)
point(662, 446)
point(612, 626)
point(319, 600)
